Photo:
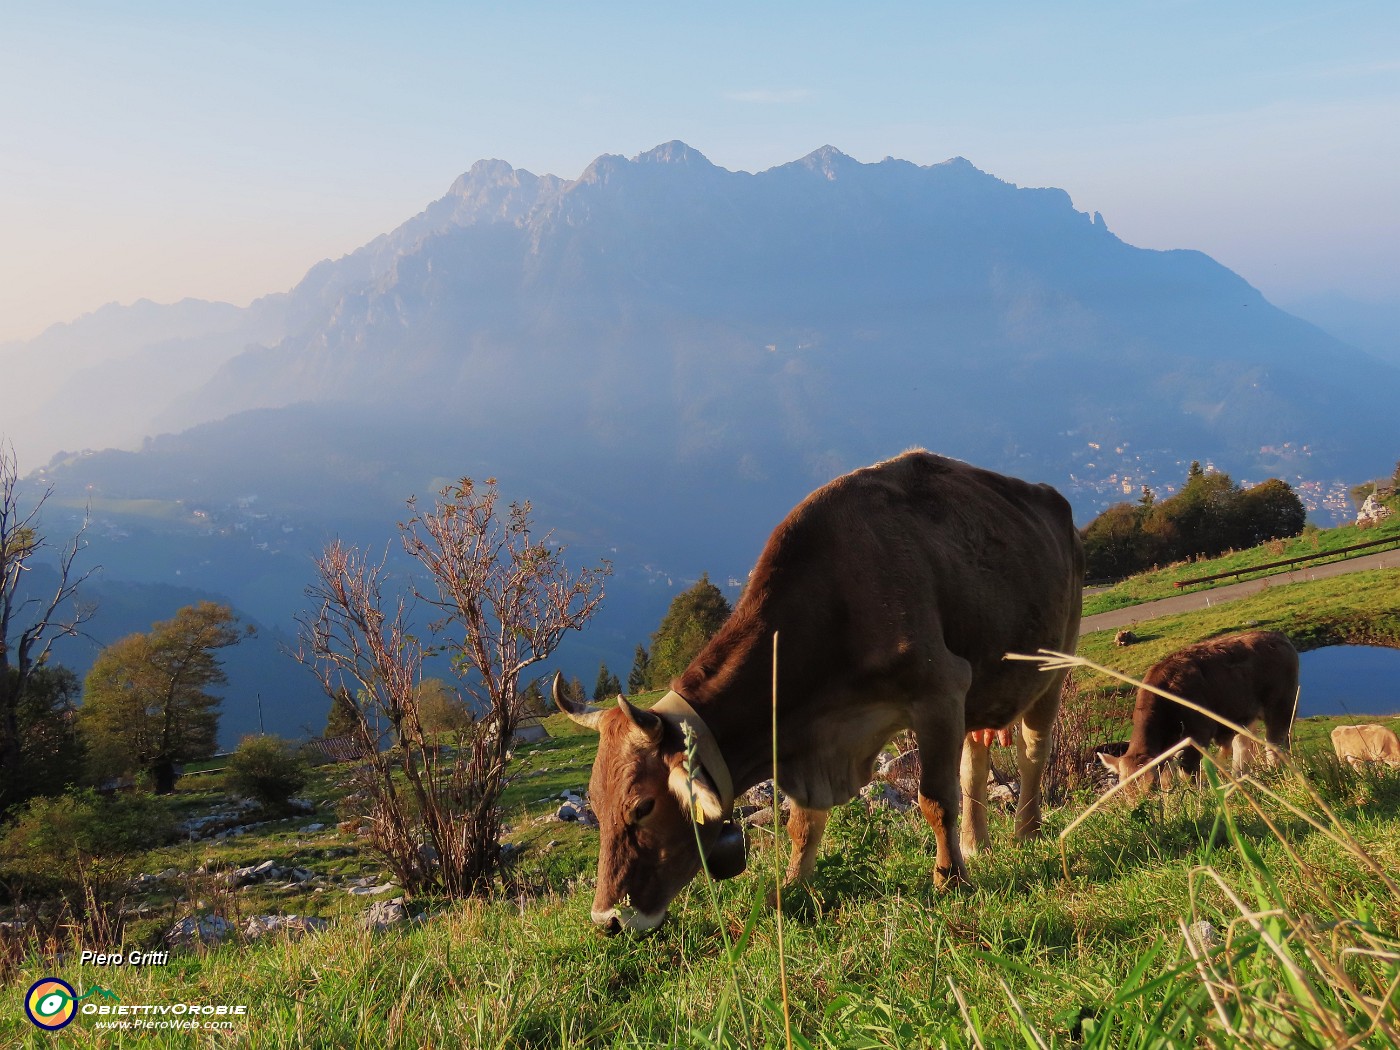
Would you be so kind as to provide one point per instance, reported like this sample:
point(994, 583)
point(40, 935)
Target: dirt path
point(1204, 599)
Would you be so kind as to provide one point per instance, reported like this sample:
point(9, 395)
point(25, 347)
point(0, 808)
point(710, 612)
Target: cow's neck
point(730, 686)
point(707, 750)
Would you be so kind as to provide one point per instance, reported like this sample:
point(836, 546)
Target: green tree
point(440, 709)
point(1114, 542)
point(1270, 510)
point(637, 677)
point(343, 719)
point(691, 621)
point(146, 701)
point(533, 702)
point(1209, 515)
point(51, 748)
point(607, 685)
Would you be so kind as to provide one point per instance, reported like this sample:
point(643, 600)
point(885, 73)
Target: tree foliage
point(637, 677)
point(607, 685)
point(51, 747)
point(147, 703)
point(441, 709)
point(1210, 514)
point(691, 621)
point(344, 716)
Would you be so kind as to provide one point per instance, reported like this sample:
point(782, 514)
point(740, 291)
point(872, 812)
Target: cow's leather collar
point(707, 750)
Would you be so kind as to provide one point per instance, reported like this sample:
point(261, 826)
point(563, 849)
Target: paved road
point(1202, 599)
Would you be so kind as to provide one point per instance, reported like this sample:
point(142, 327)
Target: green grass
point(1084, 940)
point(871, 949)
point(1150, 586)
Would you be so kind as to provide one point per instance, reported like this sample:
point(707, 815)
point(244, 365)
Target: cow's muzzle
point(619, 918)
point(728, 856)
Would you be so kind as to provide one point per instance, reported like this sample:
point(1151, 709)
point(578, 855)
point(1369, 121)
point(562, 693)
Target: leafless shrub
point(1080, 728)
point(434, 811)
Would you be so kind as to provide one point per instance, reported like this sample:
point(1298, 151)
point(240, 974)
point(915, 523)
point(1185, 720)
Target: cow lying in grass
point(1242, 677)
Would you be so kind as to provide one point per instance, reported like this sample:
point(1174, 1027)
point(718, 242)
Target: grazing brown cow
point(896, 592)
point(1366, 743)
point(1241, 677)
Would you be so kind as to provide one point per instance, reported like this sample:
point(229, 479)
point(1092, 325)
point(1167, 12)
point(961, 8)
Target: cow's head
point(651, 811)
point(1127, 764)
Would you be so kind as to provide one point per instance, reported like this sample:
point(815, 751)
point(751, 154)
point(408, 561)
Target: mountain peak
point(828, 161)
point(674, 152)
point(485, 174)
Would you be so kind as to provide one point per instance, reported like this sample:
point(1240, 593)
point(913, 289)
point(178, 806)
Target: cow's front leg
point(805, 828)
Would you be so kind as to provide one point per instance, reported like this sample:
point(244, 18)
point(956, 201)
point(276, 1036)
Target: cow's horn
point(583, 714)
point(647, 721)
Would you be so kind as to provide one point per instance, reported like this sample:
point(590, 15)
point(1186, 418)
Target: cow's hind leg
point(939, 727)
point(1033, 752)
point(976, 763)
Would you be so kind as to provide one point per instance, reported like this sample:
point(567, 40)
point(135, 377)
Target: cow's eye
point(642, 810)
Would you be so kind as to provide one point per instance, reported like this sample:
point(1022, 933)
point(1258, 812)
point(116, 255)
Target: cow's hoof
point(950, 878)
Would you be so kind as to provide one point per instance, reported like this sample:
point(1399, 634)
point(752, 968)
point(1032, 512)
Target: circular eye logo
point(50, 1003)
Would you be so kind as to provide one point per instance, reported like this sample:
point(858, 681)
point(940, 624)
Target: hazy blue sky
point(220, 150)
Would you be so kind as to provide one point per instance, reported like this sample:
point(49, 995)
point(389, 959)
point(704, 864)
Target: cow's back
point(1239, 677)
point(886, 568)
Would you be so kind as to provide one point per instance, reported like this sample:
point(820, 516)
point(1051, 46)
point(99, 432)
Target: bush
point(267, 770)
point(80, 842)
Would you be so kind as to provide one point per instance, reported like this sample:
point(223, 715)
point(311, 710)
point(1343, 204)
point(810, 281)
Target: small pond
point(1349, 680)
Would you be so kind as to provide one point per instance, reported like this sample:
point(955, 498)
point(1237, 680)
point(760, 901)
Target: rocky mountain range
point(664, 356)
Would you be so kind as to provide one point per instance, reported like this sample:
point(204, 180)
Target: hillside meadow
point(1312, 543)
point(1091, 936)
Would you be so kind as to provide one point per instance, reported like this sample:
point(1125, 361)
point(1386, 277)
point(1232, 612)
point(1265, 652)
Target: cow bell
point(727, 857)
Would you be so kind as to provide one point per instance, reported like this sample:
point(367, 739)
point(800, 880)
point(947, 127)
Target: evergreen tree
point(637, 677)
point(146, 701)
point(344, 716)
point(691, 621)
point(607, 685)
point(532, 701)
point(51, 748)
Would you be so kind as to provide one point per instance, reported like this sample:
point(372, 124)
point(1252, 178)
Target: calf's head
point(1127, 764)
point(656, 813)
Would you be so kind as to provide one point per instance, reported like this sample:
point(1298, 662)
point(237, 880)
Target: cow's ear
point(647, 721)
point(697, 794)
point(1110, 762)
